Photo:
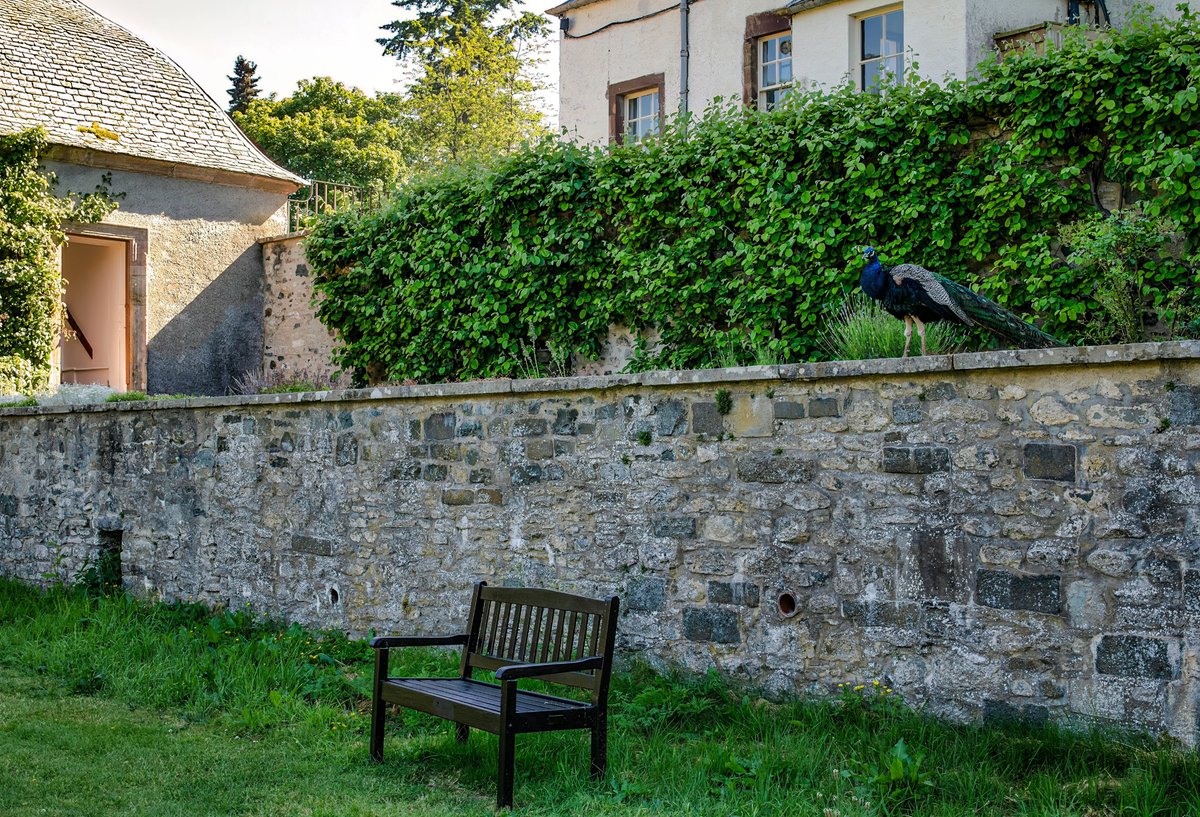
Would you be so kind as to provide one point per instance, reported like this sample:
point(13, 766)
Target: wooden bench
point(517, 633)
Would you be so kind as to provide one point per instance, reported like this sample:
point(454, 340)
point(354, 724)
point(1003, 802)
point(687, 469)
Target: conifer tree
point(245, 84)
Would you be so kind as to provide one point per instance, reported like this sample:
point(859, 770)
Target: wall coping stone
point(297, 234)
point(974, 361)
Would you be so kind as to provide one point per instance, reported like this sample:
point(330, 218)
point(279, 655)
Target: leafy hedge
point(30, 278)
point(745, 225)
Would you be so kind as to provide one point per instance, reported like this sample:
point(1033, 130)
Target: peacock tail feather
point(995, 318)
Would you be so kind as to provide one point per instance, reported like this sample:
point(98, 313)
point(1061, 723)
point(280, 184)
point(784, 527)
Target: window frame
point(619, 91)
point(760, 27)
point(654, 118)
point(860, 64)
point(761, 64)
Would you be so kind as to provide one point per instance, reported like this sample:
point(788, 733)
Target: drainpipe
point(684, 55)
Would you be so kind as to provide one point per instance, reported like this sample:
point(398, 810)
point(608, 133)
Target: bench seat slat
point(484, 696)
point(477, 704)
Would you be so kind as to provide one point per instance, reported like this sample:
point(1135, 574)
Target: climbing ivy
point(743, 227)
point(31, 219)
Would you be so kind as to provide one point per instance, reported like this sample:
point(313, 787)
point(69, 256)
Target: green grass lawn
point(109, 706)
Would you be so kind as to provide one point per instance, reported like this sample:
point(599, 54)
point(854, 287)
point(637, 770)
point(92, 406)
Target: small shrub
point(18, 375)
point(863, 331)
point(286, 381)
point(104, 577)
point(22, 403)
point(1125, 255)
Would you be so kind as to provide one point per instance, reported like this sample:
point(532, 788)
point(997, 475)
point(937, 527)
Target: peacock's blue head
point(869, 254)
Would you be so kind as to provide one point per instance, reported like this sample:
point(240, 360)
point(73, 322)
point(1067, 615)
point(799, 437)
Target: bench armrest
point(515, 671)
point(386, 642)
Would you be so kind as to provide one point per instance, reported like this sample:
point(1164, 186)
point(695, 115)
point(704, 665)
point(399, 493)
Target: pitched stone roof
point(97, 89)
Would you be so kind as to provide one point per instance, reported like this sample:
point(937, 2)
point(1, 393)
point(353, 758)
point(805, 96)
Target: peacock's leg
point(921, 332)
point(908, 322)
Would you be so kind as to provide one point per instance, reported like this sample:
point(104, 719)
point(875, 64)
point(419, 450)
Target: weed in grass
point(24, 402)
point(899, 780)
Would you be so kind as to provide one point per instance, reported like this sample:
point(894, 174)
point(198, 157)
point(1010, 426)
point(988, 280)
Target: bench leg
point(504, 783)
point(600, 749)
point(461, 732)
point(378, 707)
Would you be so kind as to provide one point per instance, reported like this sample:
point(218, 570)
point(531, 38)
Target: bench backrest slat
point(518, 626)
point(531, 654)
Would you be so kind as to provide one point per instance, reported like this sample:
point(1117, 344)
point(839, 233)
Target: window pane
point(785, 46)
point(654, 104)
point(894, 25)
point(769, 75)
point(870, 80)
point(896, 66)
point(770, 53)
point(785, 71)
point(872, 37)
point(631, 110)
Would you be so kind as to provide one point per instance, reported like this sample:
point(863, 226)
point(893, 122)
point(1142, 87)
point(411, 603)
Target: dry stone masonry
point(997, 535)
point(294, 341)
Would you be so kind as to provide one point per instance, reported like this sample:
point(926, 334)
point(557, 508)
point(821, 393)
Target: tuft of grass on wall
point(127, 397)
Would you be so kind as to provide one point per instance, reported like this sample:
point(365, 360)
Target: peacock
point(919, 296)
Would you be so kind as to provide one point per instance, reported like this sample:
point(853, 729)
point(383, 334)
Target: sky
point(290, 40)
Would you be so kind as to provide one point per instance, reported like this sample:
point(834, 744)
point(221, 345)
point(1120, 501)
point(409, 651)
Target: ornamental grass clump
point(862, 330)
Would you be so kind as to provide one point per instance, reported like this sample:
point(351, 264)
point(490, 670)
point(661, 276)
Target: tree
point(30, 277)
point(245, 85)
point(440, 24)
point(332, 132)
point(473, 102)
point(473, 95)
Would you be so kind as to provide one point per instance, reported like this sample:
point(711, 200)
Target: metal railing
point(321, 197)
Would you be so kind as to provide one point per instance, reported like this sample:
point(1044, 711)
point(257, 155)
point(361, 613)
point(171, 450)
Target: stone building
point(622, 67)
point(166, 294)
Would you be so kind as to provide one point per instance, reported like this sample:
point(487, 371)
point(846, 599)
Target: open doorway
point(97, 275)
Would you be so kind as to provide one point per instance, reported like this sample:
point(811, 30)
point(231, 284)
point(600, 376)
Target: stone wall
point(1005, 534)
point(294, 341)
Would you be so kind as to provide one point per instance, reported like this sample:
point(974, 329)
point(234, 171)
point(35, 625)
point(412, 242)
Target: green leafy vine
point(747, 225)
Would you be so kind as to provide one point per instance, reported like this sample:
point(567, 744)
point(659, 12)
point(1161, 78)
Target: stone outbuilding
point(166, 294)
